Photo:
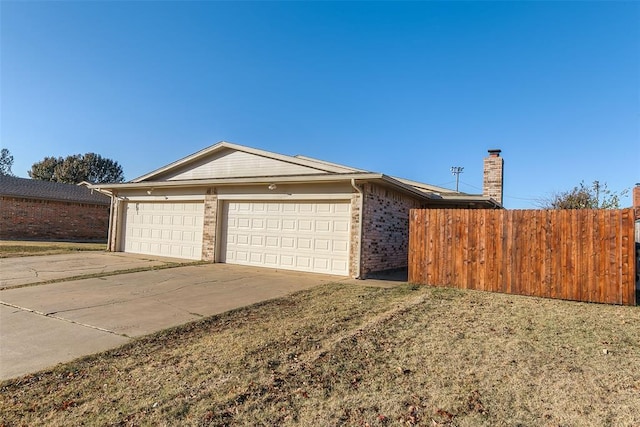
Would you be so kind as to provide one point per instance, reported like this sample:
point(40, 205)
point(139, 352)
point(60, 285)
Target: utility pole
point(457, 170)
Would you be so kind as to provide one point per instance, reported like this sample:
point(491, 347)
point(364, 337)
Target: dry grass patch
point(14, 248)
point(349, 355)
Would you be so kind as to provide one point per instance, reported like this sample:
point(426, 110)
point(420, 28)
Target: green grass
point(13, 248)
point(351, 355)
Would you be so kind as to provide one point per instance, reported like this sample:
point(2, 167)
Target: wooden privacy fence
point(582, 255)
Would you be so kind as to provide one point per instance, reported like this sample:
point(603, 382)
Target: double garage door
point(303, 236)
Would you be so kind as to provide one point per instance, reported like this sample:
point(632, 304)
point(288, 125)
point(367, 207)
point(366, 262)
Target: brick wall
point(385, 231)
point(354, 237)
point(636, 200)
point(31, 219)
point(210, 226)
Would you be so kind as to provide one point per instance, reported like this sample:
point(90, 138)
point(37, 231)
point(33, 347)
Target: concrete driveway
point(35, 269)
point(43, 325)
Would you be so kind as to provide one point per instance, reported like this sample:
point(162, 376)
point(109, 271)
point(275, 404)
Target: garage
point(310, 236)
point(258, 208)
point(171, 229)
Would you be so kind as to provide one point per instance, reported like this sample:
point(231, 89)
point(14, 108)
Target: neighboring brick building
point(41, 210)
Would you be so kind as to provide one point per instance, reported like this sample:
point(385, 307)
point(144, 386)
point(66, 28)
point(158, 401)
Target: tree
point(45, 170)
point(6, 161)
point(595, 196)
point(73, 169)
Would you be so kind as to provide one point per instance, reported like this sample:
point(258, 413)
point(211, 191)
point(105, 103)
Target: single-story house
point(235, 204)
point(31, 209)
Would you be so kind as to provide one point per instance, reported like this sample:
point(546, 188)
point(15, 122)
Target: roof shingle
point(12, 186)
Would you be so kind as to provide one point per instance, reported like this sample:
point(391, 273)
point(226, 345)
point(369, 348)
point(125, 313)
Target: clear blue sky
point(403, 88)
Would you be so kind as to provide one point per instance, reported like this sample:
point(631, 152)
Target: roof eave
point(58, 199)
point(466, 200)
point(432, 198)
point(291, 179)
point(288, 179)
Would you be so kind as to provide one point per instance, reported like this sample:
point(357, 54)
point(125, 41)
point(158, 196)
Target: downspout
point(359, 253)
point(110, 229)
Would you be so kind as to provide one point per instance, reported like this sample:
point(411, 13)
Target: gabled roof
point(428, 187)
point(227, 164)
point(305, 165)
point(325, 163)
point(12, 186)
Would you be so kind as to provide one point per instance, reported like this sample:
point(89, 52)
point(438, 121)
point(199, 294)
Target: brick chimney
point(636, 200)
point(493, 176)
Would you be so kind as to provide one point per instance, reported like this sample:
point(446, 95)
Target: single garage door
point(303, 236)
point(172, 229)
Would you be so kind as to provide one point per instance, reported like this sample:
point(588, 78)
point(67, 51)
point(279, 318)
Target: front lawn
point(17, 248)
point(351, 355)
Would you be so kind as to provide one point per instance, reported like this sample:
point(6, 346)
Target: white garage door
point(304, 236)
point(172, 229)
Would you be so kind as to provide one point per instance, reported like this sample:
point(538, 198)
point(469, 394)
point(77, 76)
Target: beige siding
point(236, 164)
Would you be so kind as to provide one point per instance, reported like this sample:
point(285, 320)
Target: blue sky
point(404, 88)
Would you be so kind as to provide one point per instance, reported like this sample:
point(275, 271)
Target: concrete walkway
point(43, 325)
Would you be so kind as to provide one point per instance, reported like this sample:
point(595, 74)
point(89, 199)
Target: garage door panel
point(272, 242)
point(321, 264)
point(341, 226)
point(306, 236)
point(303, 262)
point(288, 242)
point(305, 225)
point(165, 229)
point(257, 240)
point(322, 245)
point(304, 243)
point(337, 265)
point(323, 226)
point(340, 246)
point(287, 261)
point(271, 260)
point(241, 255)
point(325, 208)
point(288, 225)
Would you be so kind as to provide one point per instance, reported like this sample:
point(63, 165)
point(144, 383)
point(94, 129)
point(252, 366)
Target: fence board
point(582, 255)
point(628, 265)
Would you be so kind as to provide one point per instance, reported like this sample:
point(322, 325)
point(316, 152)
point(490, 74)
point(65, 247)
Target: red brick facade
point(32, 219)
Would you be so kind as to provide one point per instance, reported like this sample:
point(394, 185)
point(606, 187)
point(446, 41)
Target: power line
point(509, 197)
point(457, 170)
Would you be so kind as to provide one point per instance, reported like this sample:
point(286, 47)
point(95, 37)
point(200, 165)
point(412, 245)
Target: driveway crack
point(53, 316)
